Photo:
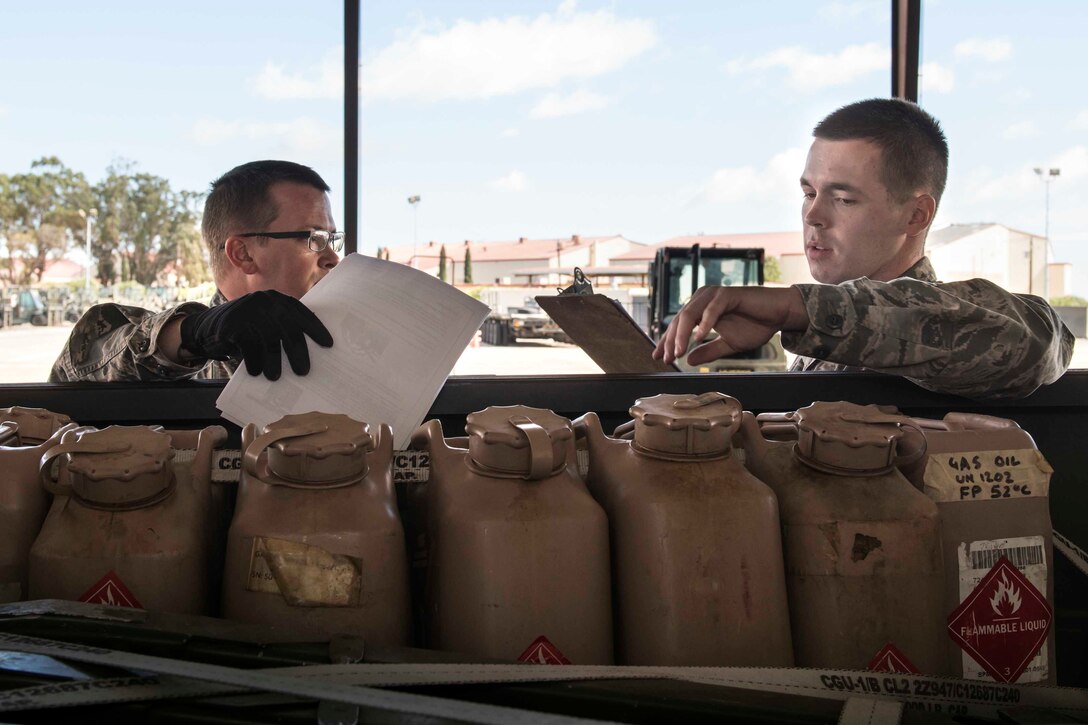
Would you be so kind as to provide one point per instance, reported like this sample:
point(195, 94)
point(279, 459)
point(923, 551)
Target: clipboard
point(604, 329)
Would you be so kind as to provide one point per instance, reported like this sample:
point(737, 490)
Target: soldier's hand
point(254, 327)
point(743, 317)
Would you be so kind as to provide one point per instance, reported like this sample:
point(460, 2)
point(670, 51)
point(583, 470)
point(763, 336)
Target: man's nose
point(329, 258)
point(812, 212)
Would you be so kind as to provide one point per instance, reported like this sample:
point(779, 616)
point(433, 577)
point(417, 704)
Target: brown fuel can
point(862, 545)
point(128, 526)
point(697, 566)
point(316, 540)
point(991, 486)
point(518, 549)
point(26, 434)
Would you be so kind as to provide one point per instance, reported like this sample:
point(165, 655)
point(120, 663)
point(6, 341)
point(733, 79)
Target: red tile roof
point(517, 250)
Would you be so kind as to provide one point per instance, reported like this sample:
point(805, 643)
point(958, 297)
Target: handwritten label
point(987, 475)
point(306, 576)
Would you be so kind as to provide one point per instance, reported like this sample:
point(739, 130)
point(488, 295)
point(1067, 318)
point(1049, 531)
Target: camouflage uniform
point(968, 338)
point(114, 342)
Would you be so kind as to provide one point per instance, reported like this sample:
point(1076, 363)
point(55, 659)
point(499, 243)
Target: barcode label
point(1020, 556)
point(976, 559)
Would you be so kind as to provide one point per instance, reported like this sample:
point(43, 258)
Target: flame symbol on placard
point(109, 596)
point(1006, 600)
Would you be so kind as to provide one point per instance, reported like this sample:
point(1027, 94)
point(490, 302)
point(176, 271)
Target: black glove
point(253, 327)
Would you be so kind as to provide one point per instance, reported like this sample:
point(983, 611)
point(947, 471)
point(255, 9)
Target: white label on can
point(306, 576)
point(1028, 554)
point(987, 475)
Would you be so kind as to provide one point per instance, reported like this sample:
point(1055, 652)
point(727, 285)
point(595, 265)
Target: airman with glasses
point(260, 277)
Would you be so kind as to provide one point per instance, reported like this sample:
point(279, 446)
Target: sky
point(546, 119)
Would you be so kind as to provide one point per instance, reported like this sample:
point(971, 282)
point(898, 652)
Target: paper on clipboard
point(606, 332)
point(397, 333)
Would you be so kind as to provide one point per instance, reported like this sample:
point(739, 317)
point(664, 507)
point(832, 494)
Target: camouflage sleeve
point(113, 342)
point(967, 338)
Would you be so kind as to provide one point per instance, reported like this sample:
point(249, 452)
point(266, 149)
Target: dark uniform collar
point(922, 270)
point(217, 299)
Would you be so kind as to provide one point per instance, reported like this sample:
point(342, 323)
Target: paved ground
point(27, 353)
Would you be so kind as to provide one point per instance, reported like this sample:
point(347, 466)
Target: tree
point(468, 265)
point(193, 267)
point(39, 216)
point(442, 263)
point(148, 225)
point(772, 271)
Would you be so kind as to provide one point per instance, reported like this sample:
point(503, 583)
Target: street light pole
point(413, 201)
point(89, 216)
point(1047, 175)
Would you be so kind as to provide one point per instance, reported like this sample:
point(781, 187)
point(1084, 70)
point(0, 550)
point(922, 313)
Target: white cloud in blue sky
point(499, 56)
point(1080, 122)
point(515, 181)
point(554, 105)
point(1022, 182)
point(810, 72)
point(868, 9)
point(322, 81)
point(298, 137)
point(1073, 162)
point(988, 49)
point(778, 178)
point(1020, 130)
point(936, 78)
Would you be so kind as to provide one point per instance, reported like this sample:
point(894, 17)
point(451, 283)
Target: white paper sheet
point(397, 333)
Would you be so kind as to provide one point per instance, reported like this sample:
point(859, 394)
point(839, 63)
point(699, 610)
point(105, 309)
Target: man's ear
point(922, 210)
point(237, 251)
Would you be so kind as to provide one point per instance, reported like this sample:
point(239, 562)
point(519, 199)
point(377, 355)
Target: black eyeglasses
point(316, 240)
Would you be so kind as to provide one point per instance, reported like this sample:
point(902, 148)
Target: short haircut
point(239, 201)
point(913, 148)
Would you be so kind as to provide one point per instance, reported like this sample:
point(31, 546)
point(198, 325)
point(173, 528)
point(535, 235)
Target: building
point(1015, 260)
point(522, 261)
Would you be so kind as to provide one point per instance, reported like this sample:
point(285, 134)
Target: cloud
point(988, 49)
point(1073, 162)
point(509, 133)
point(775, 180)
point(1013, 186)
point(936, 78)
point(323, 81)
point(1080, 123)
point(502, 56)
point(1021, 129)
point(554, 105)
point(514, 181)
point(840, 10)
point(810, 72)
point(301, 134)
point(3, 111)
